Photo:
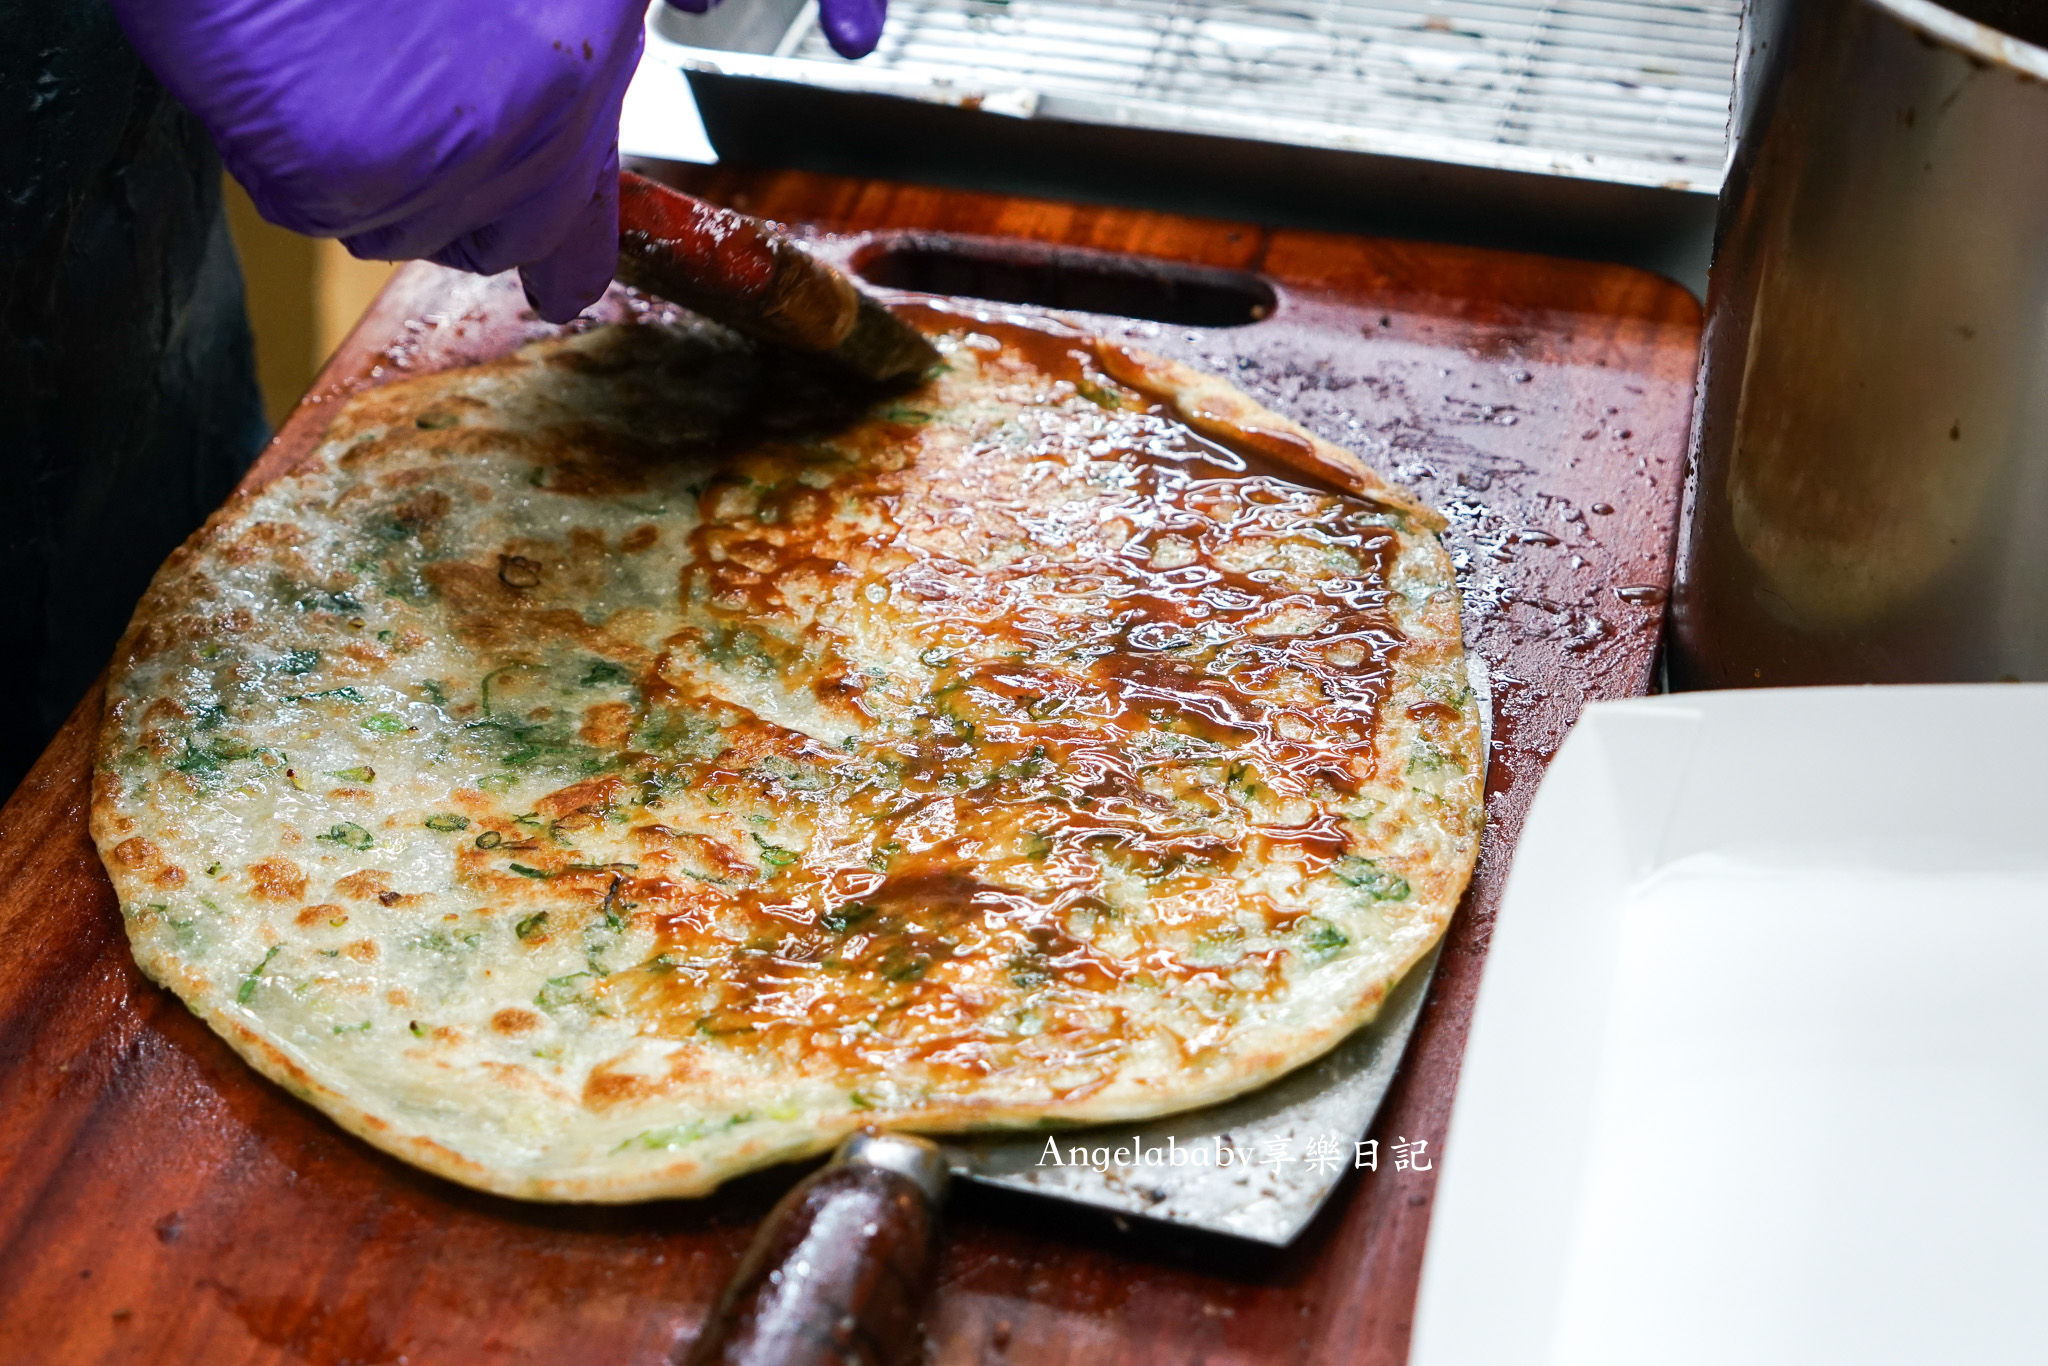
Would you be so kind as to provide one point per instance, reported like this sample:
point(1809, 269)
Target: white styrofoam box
point(1758, 1070)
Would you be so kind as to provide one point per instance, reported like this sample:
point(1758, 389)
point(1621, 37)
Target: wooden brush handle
point(837, 1274)
point(739, 271)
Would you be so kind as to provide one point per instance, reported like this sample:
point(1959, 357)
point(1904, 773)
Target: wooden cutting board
point(160, 1203)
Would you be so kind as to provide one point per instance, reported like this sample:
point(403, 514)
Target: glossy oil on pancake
point(601, 771)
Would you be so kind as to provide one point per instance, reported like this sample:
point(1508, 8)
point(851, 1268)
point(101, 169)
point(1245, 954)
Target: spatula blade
point(1289, 1143)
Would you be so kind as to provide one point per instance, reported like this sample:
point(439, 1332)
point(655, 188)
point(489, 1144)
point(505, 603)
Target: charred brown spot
point(478, 601)
point(422, 510)
point(593, 461)
point(148, 860)
point(106, 788)
point(514, 1020)
point(640, 538)
point(370, 882)
point(596, 795)
point(263, 538)
point(606, 1089)
point(608, 725)
point(277, 879)
point(163, 711)
point(363, 950)
point(325, 914)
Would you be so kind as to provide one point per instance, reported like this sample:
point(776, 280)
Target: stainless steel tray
point(1627, 92)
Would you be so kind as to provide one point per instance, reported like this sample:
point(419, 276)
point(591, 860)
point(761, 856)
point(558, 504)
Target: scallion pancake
point(605, 770)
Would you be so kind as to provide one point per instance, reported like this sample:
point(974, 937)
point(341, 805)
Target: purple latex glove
point(853, 27)
point(481, 134)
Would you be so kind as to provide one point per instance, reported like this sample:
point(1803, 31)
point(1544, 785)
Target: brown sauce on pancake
point(1055, 744)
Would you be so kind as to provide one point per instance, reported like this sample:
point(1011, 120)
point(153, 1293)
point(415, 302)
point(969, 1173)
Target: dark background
point(128, 404)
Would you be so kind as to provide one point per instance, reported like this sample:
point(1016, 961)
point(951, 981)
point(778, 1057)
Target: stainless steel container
point(1631, 92)
point(1575, 127)
point(1869, 491)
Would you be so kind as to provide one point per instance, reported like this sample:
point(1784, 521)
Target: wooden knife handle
point(838, 1273)
point(740, 271)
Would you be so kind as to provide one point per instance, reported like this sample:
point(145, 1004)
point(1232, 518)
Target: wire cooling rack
point(1630, 91)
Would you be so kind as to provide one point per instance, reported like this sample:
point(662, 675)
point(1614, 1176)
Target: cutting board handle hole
point(1071, 278)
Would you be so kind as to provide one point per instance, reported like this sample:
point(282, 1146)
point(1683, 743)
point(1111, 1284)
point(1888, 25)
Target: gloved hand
point(853, 27)
point(481, 134)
